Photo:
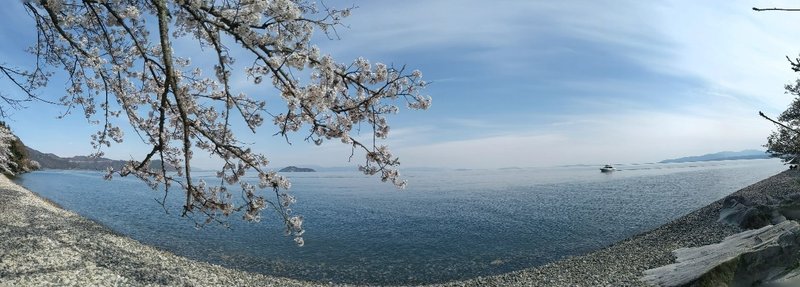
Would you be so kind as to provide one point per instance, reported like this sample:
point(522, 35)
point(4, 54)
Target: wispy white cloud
point(470, 123)
point(729, 47)
point(735, 50)
point(719, 65)
point(611, 81)
point(599, 138)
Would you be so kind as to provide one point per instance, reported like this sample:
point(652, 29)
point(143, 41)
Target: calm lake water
point(448, 224)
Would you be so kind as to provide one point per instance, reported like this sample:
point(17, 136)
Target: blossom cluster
point(122, 65)
point(7, 164)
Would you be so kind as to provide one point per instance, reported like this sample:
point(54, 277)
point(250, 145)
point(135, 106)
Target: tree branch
point(777, 122)
point(776, 9)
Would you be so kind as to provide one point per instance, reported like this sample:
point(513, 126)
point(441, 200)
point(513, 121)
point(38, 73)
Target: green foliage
point(785, 142)
point(721, 275)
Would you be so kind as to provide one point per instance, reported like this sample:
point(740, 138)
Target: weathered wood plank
point(693, 263)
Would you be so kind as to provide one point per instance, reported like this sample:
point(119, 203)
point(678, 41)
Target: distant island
point(725, 155)
point(296, 169)
point(510, 168)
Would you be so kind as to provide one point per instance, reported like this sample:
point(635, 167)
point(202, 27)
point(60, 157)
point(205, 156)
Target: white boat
point(607, 168)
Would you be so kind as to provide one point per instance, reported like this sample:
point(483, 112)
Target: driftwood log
point(769, 256)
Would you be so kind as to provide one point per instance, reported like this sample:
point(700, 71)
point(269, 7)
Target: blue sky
point(527, 83)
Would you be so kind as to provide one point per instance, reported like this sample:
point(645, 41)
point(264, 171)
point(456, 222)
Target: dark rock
point(739, 211)
point(756, 217)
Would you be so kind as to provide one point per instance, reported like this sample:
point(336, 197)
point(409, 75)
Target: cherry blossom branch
point(108, 54)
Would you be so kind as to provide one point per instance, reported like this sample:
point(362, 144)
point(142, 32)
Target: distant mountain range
point(725, 155)
point(52, 161)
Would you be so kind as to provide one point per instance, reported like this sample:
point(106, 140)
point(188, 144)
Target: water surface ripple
point(449, 224)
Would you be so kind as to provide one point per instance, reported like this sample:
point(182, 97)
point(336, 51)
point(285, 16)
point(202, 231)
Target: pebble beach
point(622, 263)
point(44, 245)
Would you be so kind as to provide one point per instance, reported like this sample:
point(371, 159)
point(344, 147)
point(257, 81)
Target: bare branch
point(776, 9)
point(778, 123)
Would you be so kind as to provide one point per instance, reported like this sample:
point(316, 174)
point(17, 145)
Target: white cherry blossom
point(120, 62)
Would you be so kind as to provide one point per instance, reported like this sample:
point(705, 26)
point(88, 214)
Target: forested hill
point(296, 169)
point(51, 161)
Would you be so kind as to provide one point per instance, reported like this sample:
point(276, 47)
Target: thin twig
point(777, 122)
point(776, 9)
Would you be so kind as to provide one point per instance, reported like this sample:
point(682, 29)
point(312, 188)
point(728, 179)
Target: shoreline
point(623, 263)
point(41, 242)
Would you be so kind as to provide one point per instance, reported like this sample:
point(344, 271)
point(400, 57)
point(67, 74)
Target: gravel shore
point(622, 263)
point(42, 244)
